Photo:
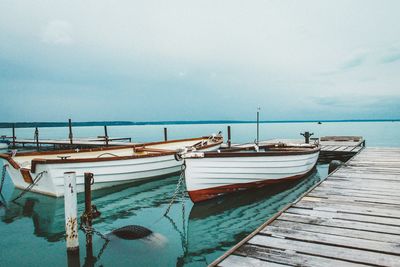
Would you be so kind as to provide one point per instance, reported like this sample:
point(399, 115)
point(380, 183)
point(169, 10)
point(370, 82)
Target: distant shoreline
point(132, 123)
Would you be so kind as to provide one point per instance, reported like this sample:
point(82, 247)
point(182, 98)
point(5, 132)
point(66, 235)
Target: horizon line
point(178, 122)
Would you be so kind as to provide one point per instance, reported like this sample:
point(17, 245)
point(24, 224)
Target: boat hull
point(207, 178)
point(49, 178)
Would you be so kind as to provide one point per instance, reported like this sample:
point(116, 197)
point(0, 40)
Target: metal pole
point(229, 136)
point(71, 217)
point(70, 136)
point(88, 212)
point(258, 125)
point(13, 135)
point(165, 134)
point(106, 134)
point(37, 137)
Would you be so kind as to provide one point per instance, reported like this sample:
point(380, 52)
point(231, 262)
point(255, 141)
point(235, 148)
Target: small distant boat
point(43, 171)
point(212, 174)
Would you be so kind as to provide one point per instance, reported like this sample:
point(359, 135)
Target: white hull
point(107, 173)
point(208, 176)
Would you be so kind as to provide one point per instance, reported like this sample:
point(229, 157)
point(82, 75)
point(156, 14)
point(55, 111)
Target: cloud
point(391, 58)
point(354, 61)
point(58, 32)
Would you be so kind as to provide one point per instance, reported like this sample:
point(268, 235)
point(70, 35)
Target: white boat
point(43, 171)
point(212, 174)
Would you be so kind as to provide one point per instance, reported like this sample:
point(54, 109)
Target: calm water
point(32, 228)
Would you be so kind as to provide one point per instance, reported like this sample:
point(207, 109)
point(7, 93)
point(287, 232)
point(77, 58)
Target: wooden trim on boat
point(26, 175)
point(10, 160)
point(66, 151)
point(279, 152)
point(37, 161)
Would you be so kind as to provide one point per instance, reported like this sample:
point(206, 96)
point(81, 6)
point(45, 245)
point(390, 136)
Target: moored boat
point(212, 174)
point(43, 172)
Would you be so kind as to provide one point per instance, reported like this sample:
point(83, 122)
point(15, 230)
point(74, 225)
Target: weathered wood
point(336, 230)
point(331, 239)
point(352, 217)
point(376, 223)
point(238, 261)
point(335, 252)
point(291, 257)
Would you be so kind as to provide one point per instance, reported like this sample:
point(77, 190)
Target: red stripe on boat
point(209, 193)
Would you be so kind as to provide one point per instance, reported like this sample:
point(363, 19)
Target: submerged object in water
point(132, 232)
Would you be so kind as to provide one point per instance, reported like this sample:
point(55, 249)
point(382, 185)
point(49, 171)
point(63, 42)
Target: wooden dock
point(332, 147)
point(352, 218)
point(77, 142)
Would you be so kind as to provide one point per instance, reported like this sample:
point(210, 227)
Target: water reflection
point(193, 235)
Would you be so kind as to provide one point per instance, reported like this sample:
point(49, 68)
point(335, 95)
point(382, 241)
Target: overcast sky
point(199, 60)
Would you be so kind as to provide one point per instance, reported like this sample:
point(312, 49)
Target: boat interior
point(24, 160)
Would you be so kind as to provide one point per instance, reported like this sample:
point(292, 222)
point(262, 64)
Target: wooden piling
point(106, 134)
point(37, 137)
point(70, 136)
point(88, 220)
point(258, 125)
point(70, 207)
point(165, 134)
point(13, 135)
point(229, 136)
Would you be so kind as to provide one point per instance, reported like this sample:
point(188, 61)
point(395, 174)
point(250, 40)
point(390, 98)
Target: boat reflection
point(218, 224)
point(47, 213)
point(193, 235)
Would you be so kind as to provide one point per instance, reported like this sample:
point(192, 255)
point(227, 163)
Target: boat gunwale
point(233, 153)
point(138, 145)
point(36, 161)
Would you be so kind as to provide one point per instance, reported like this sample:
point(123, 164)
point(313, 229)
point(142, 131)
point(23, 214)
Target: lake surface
point(32, 228)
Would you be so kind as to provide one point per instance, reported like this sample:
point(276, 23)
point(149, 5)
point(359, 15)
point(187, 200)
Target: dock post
point(106, 134)
point(229, 136)
point(88, 220)
point(258, 125)
point(307, 136)
point(70, 136)
point(13, 135)
point(37, 137)
point(165, 134)
point(71, 220)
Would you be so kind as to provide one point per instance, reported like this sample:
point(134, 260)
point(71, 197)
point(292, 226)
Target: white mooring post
point(70, 204)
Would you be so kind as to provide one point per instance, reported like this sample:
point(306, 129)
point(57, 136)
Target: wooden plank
point(352, 198)
point(348, 220)
point(335, 252)
point(339, 222)
point(331, 239)
point(291, 258)
point(353, 217)
point(321, 191)
point(355, 208)
point(239, 261)
point(336, 230)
